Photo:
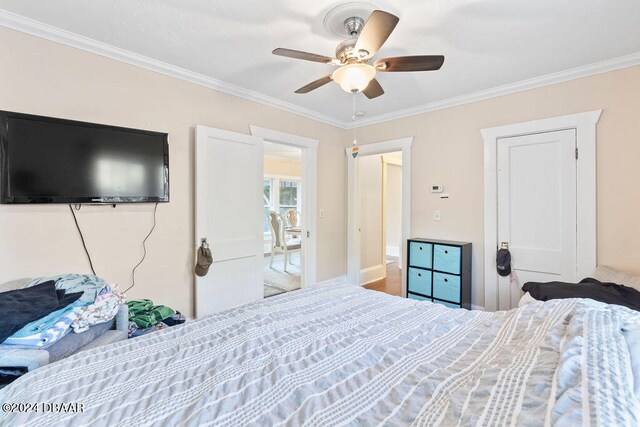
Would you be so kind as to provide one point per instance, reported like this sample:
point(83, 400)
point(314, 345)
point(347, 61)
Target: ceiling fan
point(355, 74)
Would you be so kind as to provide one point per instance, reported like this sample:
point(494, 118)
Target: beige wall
point(448, 149)
point(370, 181)
point(41, 77)
point(283, 167)
point(370, 184)
point(393, 207)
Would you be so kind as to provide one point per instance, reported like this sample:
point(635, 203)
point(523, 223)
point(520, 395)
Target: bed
point(343, 355)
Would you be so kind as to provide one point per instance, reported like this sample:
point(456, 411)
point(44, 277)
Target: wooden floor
point(392, 284)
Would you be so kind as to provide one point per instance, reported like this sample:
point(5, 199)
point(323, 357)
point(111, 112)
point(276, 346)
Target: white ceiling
point(487, 43)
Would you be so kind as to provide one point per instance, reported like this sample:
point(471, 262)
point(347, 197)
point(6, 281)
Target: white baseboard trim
point(339, 279)
point(371, 274)
point(393, 251)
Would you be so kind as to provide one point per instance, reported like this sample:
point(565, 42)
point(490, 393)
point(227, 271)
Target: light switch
point(321, 213)
point(436, 215)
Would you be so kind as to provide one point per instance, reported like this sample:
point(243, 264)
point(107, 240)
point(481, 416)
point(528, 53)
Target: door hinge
point(576, 153)
point(308, 234)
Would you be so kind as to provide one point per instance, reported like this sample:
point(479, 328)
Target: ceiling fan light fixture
point(352, 55)
point(354, 77)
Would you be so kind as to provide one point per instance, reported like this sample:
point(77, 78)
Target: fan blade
point(410, 63)
point(376, 31)
point(373, 90)
point(297, 54)
point(315, 84)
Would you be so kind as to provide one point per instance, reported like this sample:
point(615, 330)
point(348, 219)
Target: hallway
point(392, 284)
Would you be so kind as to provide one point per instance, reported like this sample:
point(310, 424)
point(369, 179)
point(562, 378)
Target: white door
point(229, 216)
point(537, 209)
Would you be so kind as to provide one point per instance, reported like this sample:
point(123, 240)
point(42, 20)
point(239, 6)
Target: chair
point(278, 240)
point(293, 218)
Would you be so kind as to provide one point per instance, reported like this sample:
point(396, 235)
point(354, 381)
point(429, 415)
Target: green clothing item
point(139, 306)
point(144, 314)
point(161, 312)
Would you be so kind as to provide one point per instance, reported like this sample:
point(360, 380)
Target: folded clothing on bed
point(82, 301)
point(90, 285)
point(144, 314)
point(44, 332)
point(609, 293)
point(144, 317)
point(20, 308)
point(101, 302)
point(103, 309)
point(176, 319)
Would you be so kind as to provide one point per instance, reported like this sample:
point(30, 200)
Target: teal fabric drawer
point(418, 297)
point(446, 304)
point(420, 281)
point(446, 286)
point(446, 258)
point(420, 254)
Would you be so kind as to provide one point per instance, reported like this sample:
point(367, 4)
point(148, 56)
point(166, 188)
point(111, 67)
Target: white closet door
point(537, 209)
point(229, 216)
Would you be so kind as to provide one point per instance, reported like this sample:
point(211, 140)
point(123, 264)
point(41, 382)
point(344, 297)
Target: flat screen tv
point(48, 160)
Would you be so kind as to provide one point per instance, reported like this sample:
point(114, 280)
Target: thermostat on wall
point(437, 188)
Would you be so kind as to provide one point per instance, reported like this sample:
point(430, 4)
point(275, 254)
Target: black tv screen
point(48, 160)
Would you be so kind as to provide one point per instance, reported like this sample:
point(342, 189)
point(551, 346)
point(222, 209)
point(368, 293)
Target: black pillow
point(609, 293)
point(21, 306)
point(64, 298)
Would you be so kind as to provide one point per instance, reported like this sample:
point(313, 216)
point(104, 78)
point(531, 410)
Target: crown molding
point(58, 35)
point(534, 83)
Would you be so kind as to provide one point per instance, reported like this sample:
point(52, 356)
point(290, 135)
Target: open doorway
point(380, 183)
point(282, 218)
point(374, 251)
point(306, 197)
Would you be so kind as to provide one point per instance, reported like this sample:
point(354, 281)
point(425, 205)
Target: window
point(280, 194)
point(267, 195)
point(288, 195)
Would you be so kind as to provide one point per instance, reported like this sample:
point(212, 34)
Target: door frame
point(585, 127)
point(309, 177)
point(353, 202)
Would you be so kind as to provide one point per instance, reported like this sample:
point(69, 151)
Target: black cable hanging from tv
point(144, 249)
point(84, 245)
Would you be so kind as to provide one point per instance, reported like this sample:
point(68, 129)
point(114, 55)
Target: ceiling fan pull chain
point(353, 119)
point(355, 150)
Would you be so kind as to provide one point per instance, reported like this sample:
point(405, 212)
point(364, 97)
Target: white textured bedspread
point(341, 355)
